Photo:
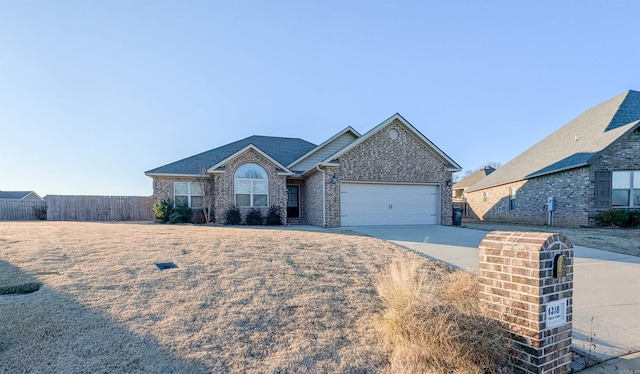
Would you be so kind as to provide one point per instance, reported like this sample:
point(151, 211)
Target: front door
point(293, 201)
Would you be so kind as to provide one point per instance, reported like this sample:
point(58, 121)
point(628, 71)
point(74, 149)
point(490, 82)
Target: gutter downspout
point(324, 197)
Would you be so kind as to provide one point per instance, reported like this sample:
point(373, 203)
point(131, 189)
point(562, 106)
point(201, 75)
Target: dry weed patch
point(240, 300)
point(434, 324)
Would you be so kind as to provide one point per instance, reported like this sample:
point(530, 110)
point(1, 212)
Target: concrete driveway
point(606, 317)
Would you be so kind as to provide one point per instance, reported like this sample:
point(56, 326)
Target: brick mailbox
point(527, 285)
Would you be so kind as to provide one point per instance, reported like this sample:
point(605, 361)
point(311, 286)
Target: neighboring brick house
point(391, 175)
point(589, 165)
point(459, 188)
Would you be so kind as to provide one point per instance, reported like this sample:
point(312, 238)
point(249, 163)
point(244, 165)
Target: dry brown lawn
point(241, 300)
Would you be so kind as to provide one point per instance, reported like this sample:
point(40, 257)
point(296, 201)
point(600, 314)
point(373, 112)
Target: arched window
point(251, 186)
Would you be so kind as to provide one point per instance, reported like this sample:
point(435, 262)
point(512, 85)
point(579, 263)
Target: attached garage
point(368, 204)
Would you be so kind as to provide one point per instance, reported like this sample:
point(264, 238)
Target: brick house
point(589, 165)
point(460, 187)
point(391, 175)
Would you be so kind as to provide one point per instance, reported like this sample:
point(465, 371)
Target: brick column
point(527, 285)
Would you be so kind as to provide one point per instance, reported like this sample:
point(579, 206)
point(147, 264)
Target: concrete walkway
point(606, 314)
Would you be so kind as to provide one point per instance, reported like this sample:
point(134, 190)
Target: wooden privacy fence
point(99, 208)
point(21, 210)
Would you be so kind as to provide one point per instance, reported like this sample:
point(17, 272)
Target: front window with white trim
point(190, 193)
point(625, 188)
point(251, 186)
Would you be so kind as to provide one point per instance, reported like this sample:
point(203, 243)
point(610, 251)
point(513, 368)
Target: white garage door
point(365, 204)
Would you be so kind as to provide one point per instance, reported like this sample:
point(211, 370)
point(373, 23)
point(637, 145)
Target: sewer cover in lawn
point(166, 265)
point(20, 289)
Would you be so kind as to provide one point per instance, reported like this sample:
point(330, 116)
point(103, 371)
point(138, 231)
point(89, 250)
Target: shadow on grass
point(45, 331)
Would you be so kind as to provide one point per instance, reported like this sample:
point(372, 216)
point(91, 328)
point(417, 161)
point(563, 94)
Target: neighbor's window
point(512, 198)
point(625, 188)
point(251, 186)
point(190, 193)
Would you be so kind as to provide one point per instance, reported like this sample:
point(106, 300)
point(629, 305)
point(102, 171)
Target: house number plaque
point(556, 313)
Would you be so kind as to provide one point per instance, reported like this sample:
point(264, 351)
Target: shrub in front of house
point(274, 217)
point(254, 217)
point(233, 216)
point(163, 209)
point(181, 214)
point(619, 217)
point(198, 217)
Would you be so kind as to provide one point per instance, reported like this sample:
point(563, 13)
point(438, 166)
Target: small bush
point(254, 217)
point(163, 209)
point(274, 217)
point(198, 217)
point(40, 213)
point(233, 216)
point(174, 218)
point(435, 325)
point(166, 212)
point(184, 213)
point(619, 218)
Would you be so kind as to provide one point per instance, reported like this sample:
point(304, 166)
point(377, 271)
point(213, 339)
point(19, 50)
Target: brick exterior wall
point(622, 155)
point(573, 189)
point(224, 183)
point(381, 159)
point(516, 273)
point(570, 188)
point(312, 208)
point(333, 197)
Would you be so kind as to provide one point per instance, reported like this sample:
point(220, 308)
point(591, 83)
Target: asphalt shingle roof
point(474, 178)
point(573, 145)
point(283, 150)
point(17, 195)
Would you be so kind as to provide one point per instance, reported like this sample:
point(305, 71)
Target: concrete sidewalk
point(606, 317)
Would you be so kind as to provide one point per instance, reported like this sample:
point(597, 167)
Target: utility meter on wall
point(551, 204)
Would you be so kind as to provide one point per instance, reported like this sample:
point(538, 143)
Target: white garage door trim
point(368, 204)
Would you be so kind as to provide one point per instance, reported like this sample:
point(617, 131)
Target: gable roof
point(449, 163)
point(17, 195)
point(282, 150)
point(473, 178)
point(219, 167)
point(327, 148)
point(576, 144)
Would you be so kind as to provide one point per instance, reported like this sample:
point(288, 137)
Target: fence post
point(527, 285)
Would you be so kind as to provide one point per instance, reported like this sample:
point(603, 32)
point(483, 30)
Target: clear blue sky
point(94, 93)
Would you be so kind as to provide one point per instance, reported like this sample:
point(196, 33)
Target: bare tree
point(207, 195)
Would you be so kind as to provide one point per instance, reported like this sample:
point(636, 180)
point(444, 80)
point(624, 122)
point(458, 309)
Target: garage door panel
point(364, 204)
